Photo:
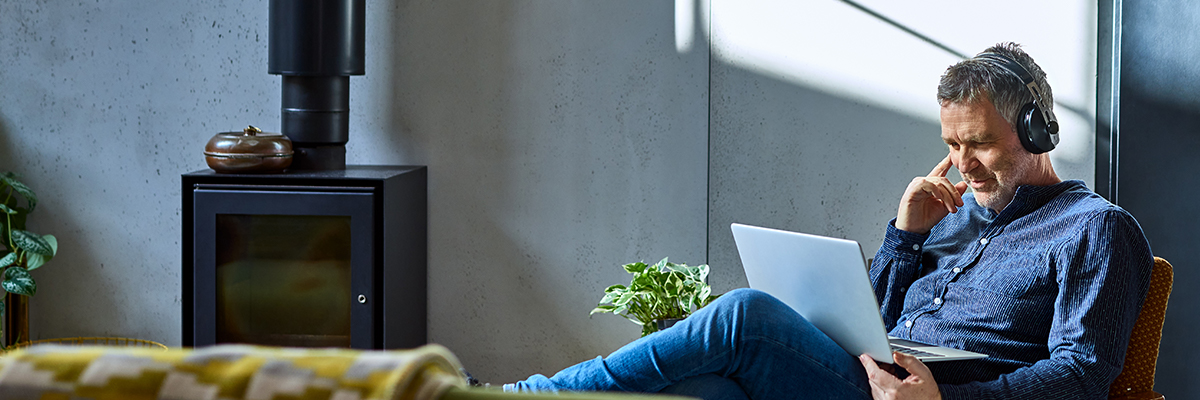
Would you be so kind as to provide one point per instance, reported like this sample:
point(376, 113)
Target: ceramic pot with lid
point(248, 151)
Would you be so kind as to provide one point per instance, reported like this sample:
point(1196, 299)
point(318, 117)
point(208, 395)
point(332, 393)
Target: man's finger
point(912, 364)
point(869, 364)
point(954, 194)
point(876, 375)
point(942, 168)
point(961, 187)
point(944, 192)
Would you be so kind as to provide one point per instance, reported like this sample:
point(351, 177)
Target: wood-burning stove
point(309, 259)
point(323, 254)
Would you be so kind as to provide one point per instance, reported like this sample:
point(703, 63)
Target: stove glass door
point(284, 268)
point(283, 280)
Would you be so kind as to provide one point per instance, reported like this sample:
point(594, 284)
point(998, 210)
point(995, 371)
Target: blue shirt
point(1049, 288)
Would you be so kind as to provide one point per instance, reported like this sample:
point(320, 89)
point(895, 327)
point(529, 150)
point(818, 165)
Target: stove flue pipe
point(316, 45)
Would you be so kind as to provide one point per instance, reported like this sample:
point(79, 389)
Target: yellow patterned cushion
point(1137, 375)
point(232, 372)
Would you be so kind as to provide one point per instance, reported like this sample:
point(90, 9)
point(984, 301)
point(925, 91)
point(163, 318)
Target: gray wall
point(837, 168)
point(563, 139)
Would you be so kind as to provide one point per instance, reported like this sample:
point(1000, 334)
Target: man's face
point(985, 149)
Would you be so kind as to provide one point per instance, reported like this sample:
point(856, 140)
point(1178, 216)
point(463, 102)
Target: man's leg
point(746, 336)
point(707, 387)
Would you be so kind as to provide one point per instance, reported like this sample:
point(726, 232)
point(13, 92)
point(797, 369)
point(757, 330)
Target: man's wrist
point(909, 228)
point(902, 244)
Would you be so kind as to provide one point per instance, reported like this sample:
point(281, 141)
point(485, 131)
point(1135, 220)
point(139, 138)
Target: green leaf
point(18, 223)
point(53, 242)
point(32, 243)
point(33, 261)
point(9, 259)
point(624, 299)
point(18, 281)
point(643, 280)
point(11, 180)
point(662, 264)
point(635, 268)
point(681, 268)
point(603, 309)
point(614, 288)
point(4, 209)
point(610, 296)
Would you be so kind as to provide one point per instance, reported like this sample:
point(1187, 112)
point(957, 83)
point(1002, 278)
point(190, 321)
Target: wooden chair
point(1136, 381)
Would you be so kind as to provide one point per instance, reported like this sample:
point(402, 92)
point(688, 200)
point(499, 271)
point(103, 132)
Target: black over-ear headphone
point(1036, 125)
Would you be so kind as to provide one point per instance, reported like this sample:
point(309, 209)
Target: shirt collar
point(1030, 197)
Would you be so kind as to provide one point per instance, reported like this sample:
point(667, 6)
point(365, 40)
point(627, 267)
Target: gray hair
point(966, 81)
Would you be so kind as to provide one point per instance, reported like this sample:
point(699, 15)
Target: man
point(1044, 276)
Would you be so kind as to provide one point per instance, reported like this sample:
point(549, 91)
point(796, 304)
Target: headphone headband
point(1026, 78)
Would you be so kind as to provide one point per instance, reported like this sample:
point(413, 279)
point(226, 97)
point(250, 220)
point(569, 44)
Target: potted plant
point(21, 251)
point(661, 292)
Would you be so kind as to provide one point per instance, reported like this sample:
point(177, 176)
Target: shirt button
point(937, 300)
point(916, 247)
point(908, 324)
point(956, 270)
point(983, 241)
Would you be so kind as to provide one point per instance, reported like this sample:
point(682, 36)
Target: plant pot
point(666, 323)
point(16, 319)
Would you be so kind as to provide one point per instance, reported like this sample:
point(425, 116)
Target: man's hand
point(884, 385)
point(928, 199)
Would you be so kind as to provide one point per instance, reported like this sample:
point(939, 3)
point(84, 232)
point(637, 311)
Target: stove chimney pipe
point(316, 45)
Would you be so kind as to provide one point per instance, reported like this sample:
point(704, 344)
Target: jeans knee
point(748, 299)
point(748, 312)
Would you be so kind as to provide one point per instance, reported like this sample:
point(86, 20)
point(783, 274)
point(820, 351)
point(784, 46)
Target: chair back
point(1136, 380)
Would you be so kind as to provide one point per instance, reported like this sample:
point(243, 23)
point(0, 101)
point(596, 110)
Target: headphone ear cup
point(1032, 130)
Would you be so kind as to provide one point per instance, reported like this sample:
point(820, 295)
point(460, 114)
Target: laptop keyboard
point(914, 352)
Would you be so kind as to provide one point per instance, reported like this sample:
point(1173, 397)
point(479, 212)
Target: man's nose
point(966, 161)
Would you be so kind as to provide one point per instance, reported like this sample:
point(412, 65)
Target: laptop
point(825, 280)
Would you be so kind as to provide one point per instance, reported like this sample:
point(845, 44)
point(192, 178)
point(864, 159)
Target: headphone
point(1036, 125)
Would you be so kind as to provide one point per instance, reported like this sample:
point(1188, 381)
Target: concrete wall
point(563, 139)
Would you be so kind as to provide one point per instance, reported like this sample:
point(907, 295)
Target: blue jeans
point(745, 345)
